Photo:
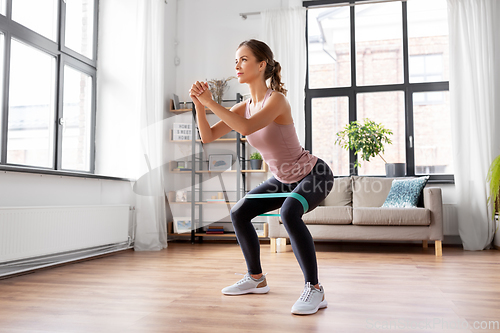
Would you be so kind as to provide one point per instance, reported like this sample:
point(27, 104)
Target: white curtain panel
point(475, 112)
point(284, 30)
point(151, 229)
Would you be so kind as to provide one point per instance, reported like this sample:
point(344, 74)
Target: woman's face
point(246, 66)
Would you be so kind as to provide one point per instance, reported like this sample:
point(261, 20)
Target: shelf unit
point(197, 171)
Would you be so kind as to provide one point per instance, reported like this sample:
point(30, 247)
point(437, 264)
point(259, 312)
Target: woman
point(267, 122)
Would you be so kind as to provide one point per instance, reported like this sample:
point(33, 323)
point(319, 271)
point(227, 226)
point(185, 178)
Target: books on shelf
point(214, 229)
point(181, 169)
point(216, 200)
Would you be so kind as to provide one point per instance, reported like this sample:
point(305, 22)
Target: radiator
point(450, 219)
point(27, 232)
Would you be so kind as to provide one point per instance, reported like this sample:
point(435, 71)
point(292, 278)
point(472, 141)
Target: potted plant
point(256, 161)
point(368, 138)
point(493, 178)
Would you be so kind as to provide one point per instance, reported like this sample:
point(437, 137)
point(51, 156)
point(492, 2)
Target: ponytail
point(276, 83)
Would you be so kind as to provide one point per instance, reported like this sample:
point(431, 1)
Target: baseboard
point(61, 260)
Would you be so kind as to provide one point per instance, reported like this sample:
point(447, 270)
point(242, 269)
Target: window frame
point(64, 56)
point(352, 91)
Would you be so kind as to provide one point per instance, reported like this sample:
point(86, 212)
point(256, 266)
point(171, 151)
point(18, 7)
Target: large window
point(387, 62)
point(48, 65)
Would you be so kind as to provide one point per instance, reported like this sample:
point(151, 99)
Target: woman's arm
point(208, 133)
point(201, 116)
point(276, 105)
point(203, 125)
point(215, 132)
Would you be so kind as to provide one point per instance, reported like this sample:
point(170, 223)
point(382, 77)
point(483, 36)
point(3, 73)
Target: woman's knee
point(291, 210)
point(236, 211)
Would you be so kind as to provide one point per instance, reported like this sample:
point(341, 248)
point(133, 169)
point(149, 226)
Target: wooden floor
point(368, 286)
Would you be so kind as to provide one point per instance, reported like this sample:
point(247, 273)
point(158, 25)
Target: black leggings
point(314, 187)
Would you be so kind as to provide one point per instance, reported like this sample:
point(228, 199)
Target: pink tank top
point(281, 150)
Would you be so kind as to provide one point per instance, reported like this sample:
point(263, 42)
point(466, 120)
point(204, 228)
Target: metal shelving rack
point(197, 175)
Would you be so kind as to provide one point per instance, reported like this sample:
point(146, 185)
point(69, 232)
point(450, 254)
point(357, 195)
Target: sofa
point(353, 211)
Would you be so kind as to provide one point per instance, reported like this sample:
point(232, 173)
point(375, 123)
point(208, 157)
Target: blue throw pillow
point(404, 193)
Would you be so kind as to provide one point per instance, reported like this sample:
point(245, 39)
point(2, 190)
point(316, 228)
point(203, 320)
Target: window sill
point(41, 171)
point(434, 179)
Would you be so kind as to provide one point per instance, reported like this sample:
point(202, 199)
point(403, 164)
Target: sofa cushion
point(328, 215)
point(405, 193)
point(370, 191)
point(341, 193)
point(391, 216)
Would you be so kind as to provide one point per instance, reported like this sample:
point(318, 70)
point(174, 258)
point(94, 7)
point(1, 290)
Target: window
point(329, 50)
point(79, 32)
point(427, 68)
point(330, 115)
point(432, 135)
point(77, 113)
point(386, 108)
point(31, 106)
point(379, 44)
point(48, 91)
point(37, 15)
point(387, 62)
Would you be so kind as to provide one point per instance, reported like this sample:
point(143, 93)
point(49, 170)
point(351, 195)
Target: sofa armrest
point(274, 224)
point(434, 202)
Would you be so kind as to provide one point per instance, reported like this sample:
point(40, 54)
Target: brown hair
point(263, 52)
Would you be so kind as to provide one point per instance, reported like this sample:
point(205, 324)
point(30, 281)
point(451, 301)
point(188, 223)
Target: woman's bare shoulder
point(279, 98)
point(277, 93)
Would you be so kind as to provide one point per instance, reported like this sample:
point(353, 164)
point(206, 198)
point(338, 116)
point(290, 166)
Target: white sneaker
point(248, 285)
point(310, 301)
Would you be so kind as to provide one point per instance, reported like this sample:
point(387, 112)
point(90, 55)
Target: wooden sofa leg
point(273, 245)
point(424, 244)
point(439, 249)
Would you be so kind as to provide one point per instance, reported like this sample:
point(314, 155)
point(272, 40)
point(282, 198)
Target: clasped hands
point(200, 94)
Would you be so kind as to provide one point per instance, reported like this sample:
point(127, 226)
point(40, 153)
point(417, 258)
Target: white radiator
point(27, 232)
point(450, 219)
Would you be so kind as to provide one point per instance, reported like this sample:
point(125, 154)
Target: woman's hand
point(198, 93)
point(206, 96)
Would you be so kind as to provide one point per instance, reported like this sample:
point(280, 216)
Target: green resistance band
point(297, 196)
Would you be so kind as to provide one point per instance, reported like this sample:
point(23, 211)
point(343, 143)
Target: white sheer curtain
point(474, 93)
point(151, 229)
point(284, 31)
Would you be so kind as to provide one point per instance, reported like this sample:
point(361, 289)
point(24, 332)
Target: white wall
point(27, 189)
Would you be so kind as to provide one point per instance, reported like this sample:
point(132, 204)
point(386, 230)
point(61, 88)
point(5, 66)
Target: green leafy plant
point(366, 138)
point(493, 178)
point(255, 156)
